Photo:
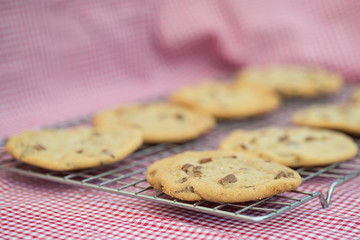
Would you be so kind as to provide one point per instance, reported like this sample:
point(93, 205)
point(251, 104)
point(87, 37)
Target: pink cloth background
point(60, 59)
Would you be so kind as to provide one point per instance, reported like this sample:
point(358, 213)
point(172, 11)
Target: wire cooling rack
point(128, 176)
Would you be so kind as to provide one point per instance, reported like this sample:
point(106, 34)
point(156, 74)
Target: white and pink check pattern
point(61, 59)
point(38, 209)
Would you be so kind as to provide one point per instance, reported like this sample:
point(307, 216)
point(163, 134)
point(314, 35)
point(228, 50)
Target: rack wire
point(128, 176)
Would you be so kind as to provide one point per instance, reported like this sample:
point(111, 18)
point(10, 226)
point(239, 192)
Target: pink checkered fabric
point(61, 59)
point(31, 208)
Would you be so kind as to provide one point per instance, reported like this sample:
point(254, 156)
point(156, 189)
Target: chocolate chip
point(182, 180)
point(243, 146)
point(231, 156)
point(205, 160)
point(95, 134)
point(283, 138)
point(107, 152)
point(186, 167)
point(179, 116)
point(197, 174)
point(198, 167)
point(284, 174)
point(79, 151)
point(190, 189)
point(228, 179)
point(187, 189)
point(309, 138)
point(39, 147)
point(280, 175)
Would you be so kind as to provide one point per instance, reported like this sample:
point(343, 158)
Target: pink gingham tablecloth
point(61, 59)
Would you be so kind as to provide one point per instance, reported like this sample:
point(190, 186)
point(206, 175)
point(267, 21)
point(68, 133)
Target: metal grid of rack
point(128, 176)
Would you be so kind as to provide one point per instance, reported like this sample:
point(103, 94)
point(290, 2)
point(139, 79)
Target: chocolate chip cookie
point(293, 147)
point(342, 116)
point(292, 81)
point(221, 176)
point(76, 148)
point(160, 121)
point(225, 100)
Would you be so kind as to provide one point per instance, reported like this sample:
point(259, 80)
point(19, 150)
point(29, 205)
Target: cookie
point(77, 148)
point(160, 121)
point(293, 147)
point(342, 116)
point(292, 81)
point(224, 100)
point(220, 176)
